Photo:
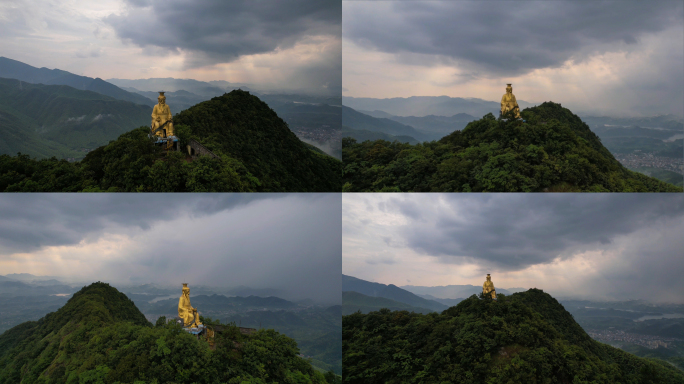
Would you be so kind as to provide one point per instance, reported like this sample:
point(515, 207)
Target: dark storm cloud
point(493, 38)
point(222, 31)
point(511, 232)
point(292, 244)
point(32, 221)
point(289, 242)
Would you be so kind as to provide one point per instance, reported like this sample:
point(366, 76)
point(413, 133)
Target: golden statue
point(186, 312)
point(488, 287)
point(508, 102)
point(162, 125)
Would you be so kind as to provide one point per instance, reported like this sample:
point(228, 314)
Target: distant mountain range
point(354, 301)
point(170, 84)
point(359, 121)
point(14, 69)
point(361, 135)
point(428, 105)
point(180, 94)
point(377, 290)
point(28, 277)
point(405, 129)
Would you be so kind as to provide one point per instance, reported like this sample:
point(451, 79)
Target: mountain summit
point(550, 150)
point(527, 337)
point(253, 150)
point(100, 336)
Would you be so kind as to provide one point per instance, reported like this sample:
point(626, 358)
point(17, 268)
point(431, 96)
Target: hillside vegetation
point(57, 120)
point(99, 336)
point(552, 150)
point(255, 148)
point(527, 337)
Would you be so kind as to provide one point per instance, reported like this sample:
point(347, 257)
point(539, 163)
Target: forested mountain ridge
point(17, 70)
point(99, 336)
point(58, 120)
point(388, 291)
point(527, 337)
point(243, 127)
point(551, 150)
point(255, 151)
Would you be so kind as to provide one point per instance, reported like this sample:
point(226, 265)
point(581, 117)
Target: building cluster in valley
point(320, 134)
point(610, 336)
point(645, 159)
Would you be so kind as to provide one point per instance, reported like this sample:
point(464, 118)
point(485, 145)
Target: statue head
point(186, 290)
point(161, 98)
point(489, 278)
point(509, 88)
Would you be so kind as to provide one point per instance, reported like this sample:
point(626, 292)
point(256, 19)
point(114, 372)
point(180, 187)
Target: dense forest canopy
point(527, 337)
point(255, 151)
point(99, 336)
point(551, 150)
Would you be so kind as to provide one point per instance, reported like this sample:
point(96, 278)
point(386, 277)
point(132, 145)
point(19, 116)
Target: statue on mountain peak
point(162, 125)
point(488, 288)
point(509, 103)
point(186, 312)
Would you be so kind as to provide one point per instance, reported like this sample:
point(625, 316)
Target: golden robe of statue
point(186, 311)
point(488, 287)
point(160, 115)
point(508, 102)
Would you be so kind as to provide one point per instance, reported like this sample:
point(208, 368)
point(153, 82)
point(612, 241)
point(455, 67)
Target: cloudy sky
point(294, 44)
point(615, 57)
point(616, 246)
point(284, 241)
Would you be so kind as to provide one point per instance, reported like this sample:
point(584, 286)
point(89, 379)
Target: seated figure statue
point(488, 287)
point(508, 102)
point(161, 117)
point(186, 312)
